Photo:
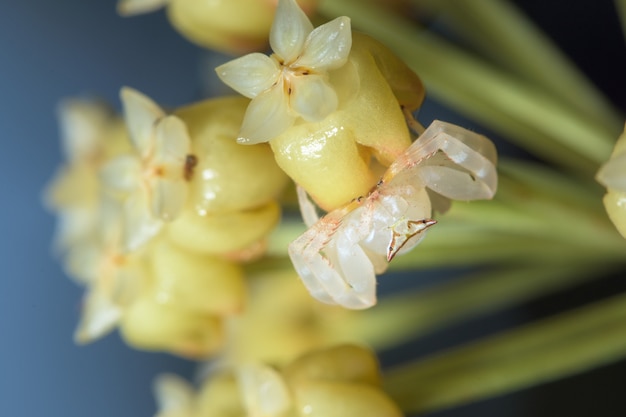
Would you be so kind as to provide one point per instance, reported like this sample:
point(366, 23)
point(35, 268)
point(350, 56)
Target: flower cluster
point(172, 220)
point(154, 246)
point(340, 381)
point(170, 232)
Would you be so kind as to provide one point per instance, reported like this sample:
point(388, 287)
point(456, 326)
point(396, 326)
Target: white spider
point(340, 254)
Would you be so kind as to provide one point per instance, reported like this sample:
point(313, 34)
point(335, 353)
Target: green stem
point(401, 317)
point(470, 84)
point(554, 348)
point(621, 11)
point(499, 29)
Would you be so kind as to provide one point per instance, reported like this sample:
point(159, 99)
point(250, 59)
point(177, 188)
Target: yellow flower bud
point(341, 399)
point(182, 309)
point(615, 204)
point(342, 381)
point(613, 176)
point(151, 325)
point(220, 396)
point(265, 333)
point(228, 176)
point(348, 363)
point(224, 233)
point(231, 26)
point(332, 159)
point(201, 283)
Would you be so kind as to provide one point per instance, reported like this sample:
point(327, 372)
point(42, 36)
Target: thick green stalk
point(401, 317)
point(554, 348)
point(475, 87)
point(504, 33)
point(621, 11)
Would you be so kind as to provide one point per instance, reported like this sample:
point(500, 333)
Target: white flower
point(113, 278)
point(154, 179)
point(292, 82)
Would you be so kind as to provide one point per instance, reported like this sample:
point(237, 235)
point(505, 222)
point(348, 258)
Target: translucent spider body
point(340, 254)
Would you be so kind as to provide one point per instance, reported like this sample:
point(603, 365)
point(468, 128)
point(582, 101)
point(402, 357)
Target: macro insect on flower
point(340, 254)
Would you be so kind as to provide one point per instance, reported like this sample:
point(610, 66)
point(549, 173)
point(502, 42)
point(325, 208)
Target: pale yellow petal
point(99, 317)
point(328, 46)
point(613, 174)
point(141, 114)
point(122, 174)
point(263, 390)
point(168, 198)
point(172, 144)
point(289, 30)
point(82, 123)
point(267, 116)
point(139, 224)
point(249, 75)
point(173, 393)
point(312, 97)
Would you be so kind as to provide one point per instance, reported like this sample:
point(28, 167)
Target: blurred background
point(54, 49)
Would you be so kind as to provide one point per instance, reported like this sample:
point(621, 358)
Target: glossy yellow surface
point(340, 158)
point(231, 26)
point(225, 233)
point(228, 176)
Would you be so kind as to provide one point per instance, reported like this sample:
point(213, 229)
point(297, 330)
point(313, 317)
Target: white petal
point(81, 123)
point(249, 75)
point(312, 97)
point(328, 46)
point(266, 117)
point(140, 113)
point(263, 390)
point(121, 174)
point(172, 142)
point(172, 393)
point(134, 7)
point(82, 261)
point(139, 224)
point(100, 316)
point(289, 30)
point(168, 198)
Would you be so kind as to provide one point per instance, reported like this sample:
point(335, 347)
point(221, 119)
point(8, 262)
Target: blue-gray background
point(54, 49)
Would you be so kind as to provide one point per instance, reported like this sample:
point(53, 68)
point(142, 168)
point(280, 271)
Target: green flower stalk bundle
point(180, 224)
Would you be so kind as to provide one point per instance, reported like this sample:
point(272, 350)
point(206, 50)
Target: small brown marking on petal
point(190, 163)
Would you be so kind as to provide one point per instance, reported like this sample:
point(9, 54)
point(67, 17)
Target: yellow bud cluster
point(341, 381)
point(173, 289)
